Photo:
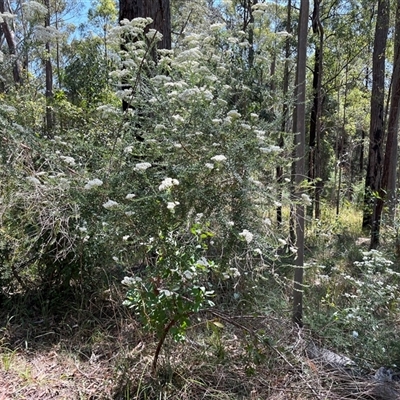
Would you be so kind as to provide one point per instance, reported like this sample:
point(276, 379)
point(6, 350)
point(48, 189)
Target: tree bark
point(285, 111)
point(157, 10)
point(49, 79)
point(376, 134)
point(12, 47)
point(316, 111)
point(300, 130)
point(387, 192)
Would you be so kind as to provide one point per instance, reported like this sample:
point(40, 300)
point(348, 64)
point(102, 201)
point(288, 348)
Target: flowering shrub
point(362, 307)
point(205, 157)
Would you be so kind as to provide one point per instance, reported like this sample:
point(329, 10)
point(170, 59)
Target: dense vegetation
point(152, 206)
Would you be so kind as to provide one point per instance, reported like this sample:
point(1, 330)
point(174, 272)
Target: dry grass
point(99, 352)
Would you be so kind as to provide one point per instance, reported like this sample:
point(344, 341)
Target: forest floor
point(100, 352)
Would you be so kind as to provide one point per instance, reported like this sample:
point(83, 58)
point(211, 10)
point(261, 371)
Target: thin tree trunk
point(300, 131)
point(376, 134)
point(316, 112)
point(387, 190)
point(49, 79)
point(12, 47)
point(285, 111)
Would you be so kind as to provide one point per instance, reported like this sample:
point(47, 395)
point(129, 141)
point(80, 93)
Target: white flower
point(209, 165)
point(248, 236)
point(218, 158)
point(258, 13)
point(130, 196)
point(178, 118)
point(160, 127)
point(188, 274)
point(228, 120)
point(271, 149)
point(306, 199)
point(125, 238)
point(230, 223)
point(152, 34)
point(234, 272)
point(284, 34)
point(354, 334)
point(129, 213)
point(128, 281)
point(33, 9)
point(172, 204)
point(68, 160)
point(217, 27)
point(267, 221)
point(142, 166)
point(168, 183)
point(110, 204)
point(234, 114)
point(260, 6)
point(93, 183)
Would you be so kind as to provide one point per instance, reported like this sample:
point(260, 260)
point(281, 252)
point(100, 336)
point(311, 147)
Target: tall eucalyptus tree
point(299, 127)
point(387, 191)
point(376, 133)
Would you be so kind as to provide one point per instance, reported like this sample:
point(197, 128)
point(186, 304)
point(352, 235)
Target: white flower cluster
point(168, 183)
point(217, 27)
point(234, 114)
point(172, 204)
point(218, 158)
point(306, 199)
point(130, 281)
point(33, 10)
point(110, 204)
point(47, 34)
point(142, 166)
point(246, 235)
point(93, 183)
point(68, 160)
point(271, 149)
point(154, 35)
point(260, 6)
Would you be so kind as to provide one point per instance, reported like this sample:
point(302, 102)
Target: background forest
point(199, 199)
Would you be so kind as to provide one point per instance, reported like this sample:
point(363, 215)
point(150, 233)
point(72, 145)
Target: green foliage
point(358, 309)
point(85, 78)
point(175, 288)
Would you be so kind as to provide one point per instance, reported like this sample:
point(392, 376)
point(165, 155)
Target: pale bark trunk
point(285, 111)
point(300, 129)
